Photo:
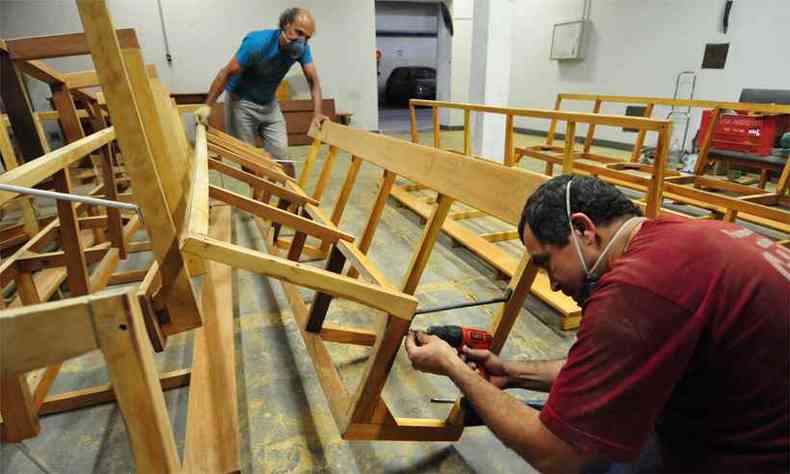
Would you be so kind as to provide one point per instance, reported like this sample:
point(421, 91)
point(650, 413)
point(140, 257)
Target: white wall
point(204, 35)
point(462, 11)
point(637, 47)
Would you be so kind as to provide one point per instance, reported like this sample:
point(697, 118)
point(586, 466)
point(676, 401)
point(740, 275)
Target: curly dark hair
point(289, 16)
point(547, 217)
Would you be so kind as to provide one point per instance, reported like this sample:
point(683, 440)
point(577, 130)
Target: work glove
point(202, 114)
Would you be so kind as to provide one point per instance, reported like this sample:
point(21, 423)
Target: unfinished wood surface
point(383, 194)
point(61, 46)
point(247, 162)
point(47, 165)
point(259, 184)
point(640, 139)
point(137, 153)
point(67, 113)
point(570, 140)
point(197, 209)
point(326, 173)
point(309, 162)
point(474, 182)
point(16, 101)
point(339, 286)
point(213, 440)
point(79, 284)
point(122, 338)
point(278, 215)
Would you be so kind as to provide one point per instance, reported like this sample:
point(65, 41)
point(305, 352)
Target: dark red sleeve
point(630, 350)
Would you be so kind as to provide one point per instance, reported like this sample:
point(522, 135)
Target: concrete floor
point(285, 421)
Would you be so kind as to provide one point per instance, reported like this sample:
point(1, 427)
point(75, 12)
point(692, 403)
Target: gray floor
point(396, 120)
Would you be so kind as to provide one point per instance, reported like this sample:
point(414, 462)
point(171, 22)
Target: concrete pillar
point(490, 73)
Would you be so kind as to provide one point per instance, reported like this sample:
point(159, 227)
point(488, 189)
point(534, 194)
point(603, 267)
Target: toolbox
point(753, 134)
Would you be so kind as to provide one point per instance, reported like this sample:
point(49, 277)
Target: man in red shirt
point(685, 334)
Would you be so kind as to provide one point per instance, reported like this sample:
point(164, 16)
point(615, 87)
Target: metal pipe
point(69, 197)
point(436, 309)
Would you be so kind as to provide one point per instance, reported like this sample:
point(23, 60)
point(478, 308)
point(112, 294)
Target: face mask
point(590, 278)
point(295, 49)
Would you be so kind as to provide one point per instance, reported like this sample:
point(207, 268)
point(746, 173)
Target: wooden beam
point(122, 338)
point(339, 286)
point(326, 173)
point(66, 325)
point(478, 183)
point(387, 181)
point(41, 71)
point(61, 46)
point(212, 428)
point(122, 102)
point(197, 210)
point(38, 170)
point(259, 184)
point(100, 394)
point(19, 109)
point(278, 215)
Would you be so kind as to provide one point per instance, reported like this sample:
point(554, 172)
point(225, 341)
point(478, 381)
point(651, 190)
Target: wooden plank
point(212, 427)
point(696, 103)
point(707, 142)
point(437, 132)
point(278, 215)
point(500, 236)
point(415, 137)
point(463, 215)
point(127, 277)
point(41, 71)
point(321, 302)
point(366, 240)
point(19, 109)
point(61, 46)
point(70, 240)
point(197, 215)
point(570, 140)
point(345, 194)
point(467, 132)
point(773, 213)
point(341, 335)
point(122, 338)
point(67, 113)
point(337, 285)
point(309, 162)
point(553, 125)
point(20, 421)
point(640, 139)
point(66, 326)
point(477, 183)
point(121, 100)
point(257, 167)
point(100, 394)
point(591, 127)
point(259, 184)
point(508, 154)
point(38, 170)
point(326, 173)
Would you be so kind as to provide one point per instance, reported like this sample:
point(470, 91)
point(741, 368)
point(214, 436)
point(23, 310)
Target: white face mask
point(590, 279)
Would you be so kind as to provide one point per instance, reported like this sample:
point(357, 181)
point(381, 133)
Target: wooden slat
point(61, 46)
point(132, 371)
point(366, 240)
point(339, 286)
point(477, 183)
point(213, 438)
point(38, 170)
point(19, 109)
point(41, 71)
point(177, 288)
point(197, 209)
point(278, 215)
point(260, 184)
point(326, 173)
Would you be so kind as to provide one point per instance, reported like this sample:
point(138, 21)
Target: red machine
point(753, 134)
point(459, 336)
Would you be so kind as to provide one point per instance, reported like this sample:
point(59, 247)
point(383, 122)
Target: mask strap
point(570, 224)
point(590, 272)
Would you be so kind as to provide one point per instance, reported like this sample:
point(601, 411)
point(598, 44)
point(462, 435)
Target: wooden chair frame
point(707, 193)
point(484, 245)
point(360, 413)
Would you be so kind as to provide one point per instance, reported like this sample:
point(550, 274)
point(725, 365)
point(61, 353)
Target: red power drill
point(459, 336)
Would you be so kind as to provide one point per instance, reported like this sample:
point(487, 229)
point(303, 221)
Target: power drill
point(459, 336)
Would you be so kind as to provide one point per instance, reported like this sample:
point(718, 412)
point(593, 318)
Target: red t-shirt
point(687, 336)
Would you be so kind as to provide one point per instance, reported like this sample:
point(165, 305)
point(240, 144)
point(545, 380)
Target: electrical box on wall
point(567, 40)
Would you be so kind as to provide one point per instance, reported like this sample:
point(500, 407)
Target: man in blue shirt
point(251, 79)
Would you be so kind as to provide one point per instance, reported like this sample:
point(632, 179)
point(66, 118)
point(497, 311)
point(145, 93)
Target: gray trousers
point(245, 120)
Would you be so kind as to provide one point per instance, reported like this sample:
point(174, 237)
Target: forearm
point(315, 93)
point(514, 423)
point(217, 86)
point(536, 375)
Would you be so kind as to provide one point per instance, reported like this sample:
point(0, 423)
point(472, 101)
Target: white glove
point(202, 114)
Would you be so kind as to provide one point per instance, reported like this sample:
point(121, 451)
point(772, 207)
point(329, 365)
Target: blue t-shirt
point(263, 66)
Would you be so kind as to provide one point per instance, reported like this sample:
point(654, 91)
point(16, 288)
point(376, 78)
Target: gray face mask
point(590, 278)
point(295, 49)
